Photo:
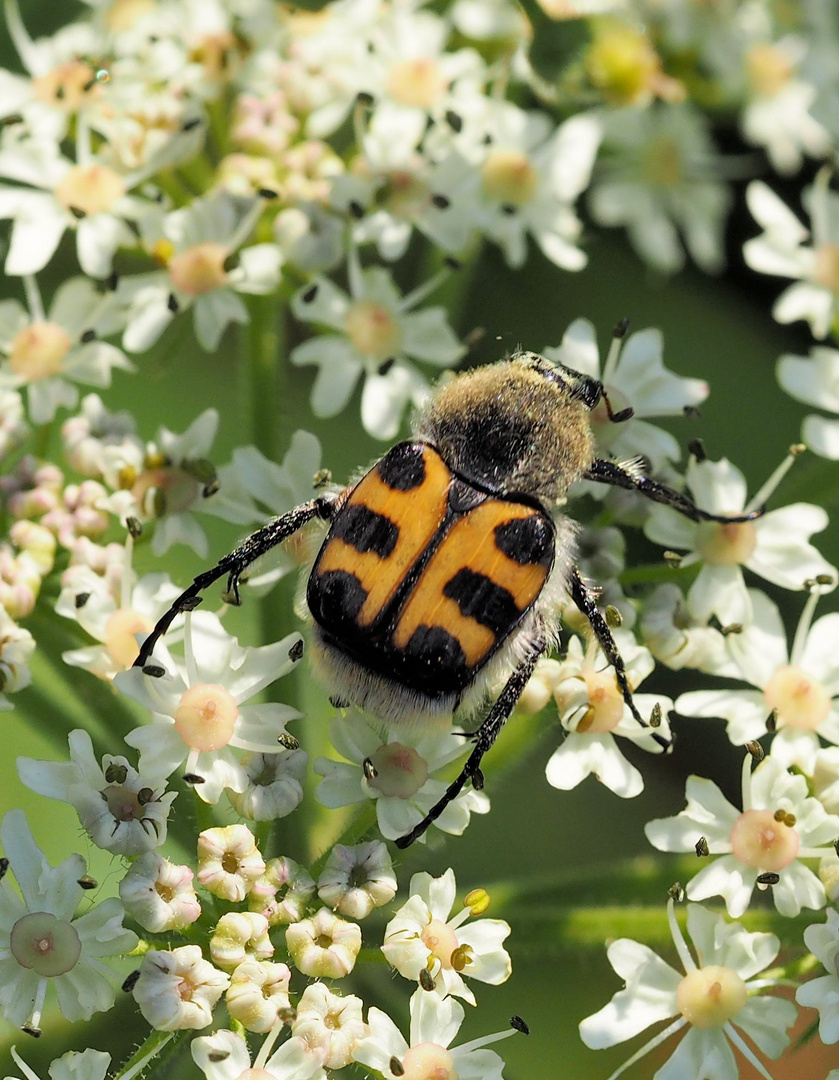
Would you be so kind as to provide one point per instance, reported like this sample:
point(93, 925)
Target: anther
point(190, 603)
point(769, 878)
point(386, 365)
point(288, 741)
point(112, 281)
point(356, 209)
point(701, 847)
point(144, 796)
point(369, 769)
point(30, 1029)
point(134, 527)
point(363, 97)
point(396, 1067)
point(692, 412)
point(441, 202)
point(172, 304)
point(455, 121)
point(210, 489)
point(673, 558)
point(130, 981)
point(655, 716)
point(613, 616)
point(190, 125)
point(321, 478)
point(508, 209)
point(81, 599)
point(267, 193)
point(756, 750)
point(87, 883)
point(452, 263)
point(87, 335)
point(772, 721)
point(217, 1056)
point(621, 328)
point(309, 295)
point(193, 779)
point(154, 671)
point(732, 628)
point(4, 864)
point(478, 780)
point(116, 774)
point(517, 1024)
point(676, 892)
point(697, 448)
point(296, 651)
point(426, 980)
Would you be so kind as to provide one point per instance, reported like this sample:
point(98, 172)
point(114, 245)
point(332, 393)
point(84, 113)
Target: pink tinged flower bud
point(199, 269)
point(45, 944)
point(428, 1061)
point(400, 771)
point(38, 543)
point(710, 996)
point(229, 862)
point(801, 701)
point(240, 936)
point(324, 946)
point(764, 840)
point(509, 177)
point(91, 189)
point(158, 894)
point(726, 545)
point(283, 892)
point(355, 880)
point(329, 1024)
point(66, 86)
point(38, 351)
point(178, 989)
point(206, 717)
point(258, 993)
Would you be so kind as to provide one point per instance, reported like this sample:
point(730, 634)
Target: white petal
point(822, 436)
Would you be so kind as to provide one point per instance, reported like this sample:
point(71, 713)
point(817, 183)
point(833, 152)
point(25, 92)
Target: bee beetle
point(446, 565)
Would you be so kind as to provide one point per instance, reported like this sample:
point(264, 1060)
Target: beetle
point(445, 566)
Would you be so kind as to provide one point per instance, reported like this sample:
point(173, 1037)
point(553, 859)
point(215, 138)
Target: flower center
point(622, 63)
point(38, 351)
point(66, 86)
point(373, 330)
point(164, 489)
point(441, 941)
point(509, 177)
point(123, 14)
point(206, 716)
point(428, 1061)
point(827, 267)
point(710, 996)
point(416, 83)
point(767, 69)
point(199, 269)
point(90, 189)
point(122, 803)
point(256, 1074)
point(726, 545)
point(661, 165)
point(606, 704)
point(800, 700)
point(760, 840)
point(400, 771)
point(47, 945)
point(120, 629)
point(605, 430)
point(404, 194)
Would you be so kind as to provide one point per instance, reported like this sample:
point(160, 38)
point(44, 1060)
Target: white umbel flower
point(779, 825)
point(330, 1024)
point(178, 990)
point(799, 687)
point(121, 810)
point(42, 944)
point(713, 998)
point(815, 381)
point(782, 250)
point(356, 880)
point(435, 1022)
point(224, 1056)
point(775, 546)
point(158, 894)
point(822, 939)
point(422, 937)
point(404, 786)
point(199, 716)
point(635, 377)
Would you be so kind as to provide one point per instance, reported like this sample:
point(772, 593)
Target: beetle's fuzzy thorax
point(510, 430)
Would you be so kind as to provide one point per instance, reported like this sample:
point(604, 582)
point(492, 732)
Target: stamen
point(803, 628)
point(775, 478)
point(33, 299)
point(678, 938)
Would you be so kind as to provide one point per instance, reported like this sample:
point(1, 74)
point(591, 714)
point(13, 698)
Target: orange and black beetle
point(446, 565)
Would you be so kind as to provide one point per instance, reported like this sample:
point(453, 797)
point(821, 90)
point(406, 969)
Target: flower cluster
point(311, 198)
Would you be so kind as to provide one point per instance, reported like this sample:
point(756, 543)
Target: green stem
point(654, 573)
point(152, 1047)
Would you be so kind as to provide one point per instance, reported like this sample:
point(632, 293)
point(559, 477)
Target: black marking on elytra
point(435, 656)
point(482, 599)
point(403, 468)
point(365, 530)
point(526, 540)
point(335, 598)
point(464, 496)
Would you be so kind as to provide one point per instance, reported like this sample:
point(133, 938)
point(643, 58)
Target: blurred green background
point(535, 838)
